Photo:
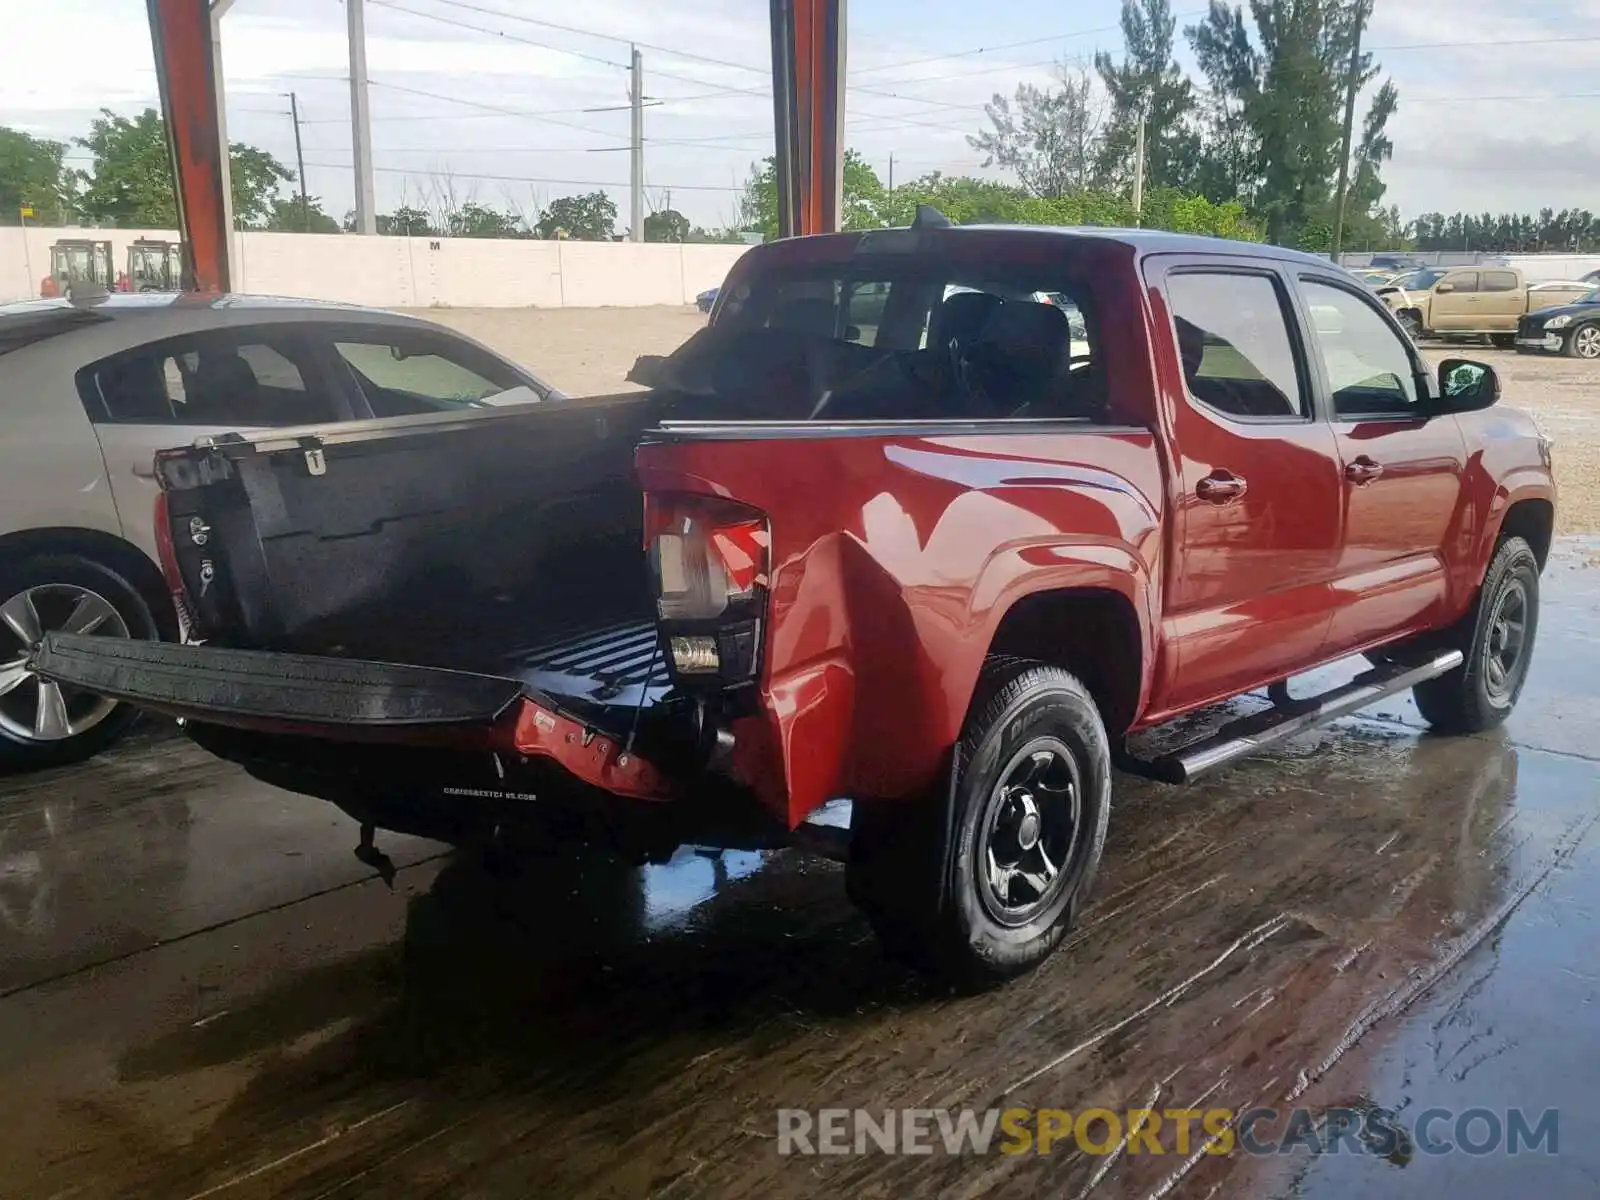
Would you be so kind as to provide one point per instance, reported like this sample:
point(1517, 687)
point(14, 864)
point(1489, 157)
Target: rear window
point(895, 338)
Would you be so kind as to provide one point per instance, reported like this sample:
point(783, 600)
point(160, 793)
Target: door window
point(402, 373)
point(1462, 281)
point(1499, 281)
point(1233, 341)
point(233, 378)
point(1369, 369)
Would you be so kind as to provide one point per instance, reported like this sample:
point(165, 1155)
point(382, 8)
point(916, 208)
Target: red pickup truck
point(928, 518)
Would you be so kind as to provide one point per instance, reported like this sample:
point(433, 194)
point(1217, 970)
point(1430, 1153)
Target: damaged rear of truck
point(698, 612)
point(926, 518)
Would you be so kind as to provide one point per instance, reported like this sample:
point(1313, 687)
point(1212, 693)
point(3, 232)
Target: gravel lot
point(583, 351)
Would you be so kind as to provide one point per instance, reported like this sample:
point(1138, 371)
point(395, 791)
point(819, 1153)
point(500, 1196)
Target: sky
point(516, 102)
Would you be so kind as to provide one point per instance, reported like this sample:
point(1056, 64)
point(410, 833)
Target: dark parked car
point(706, 299)
point(1572, 329)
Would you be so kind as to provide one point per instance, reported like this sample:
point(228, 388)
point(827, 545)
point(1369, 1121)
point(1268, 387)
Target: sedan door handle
point(1363, 471)
point(1220, 487)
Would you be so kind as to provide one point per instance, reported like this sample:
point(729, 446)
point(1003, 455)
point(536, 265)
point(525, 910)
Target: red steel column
point(808, 70)
point(180, 31)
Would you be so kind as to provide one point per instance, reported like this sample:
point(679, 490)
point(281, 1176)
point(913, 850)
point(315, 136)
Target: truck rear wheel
point(1032, 795)
point(1496, 637)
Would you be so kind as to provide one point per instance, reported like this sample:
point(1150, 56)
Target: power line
point(1035, 41)
point(668, 50)
point(605, 62)
point(606, 183)
point(1395, 49)
point(508, 112)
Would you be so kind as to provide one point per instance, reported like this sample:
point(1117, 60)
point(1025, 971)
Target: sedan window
point(404, 373)
point(249, 378)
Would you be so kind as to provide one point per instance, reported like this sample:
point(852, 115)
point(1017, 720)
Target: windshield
point(1420, 281)
point(890, 337)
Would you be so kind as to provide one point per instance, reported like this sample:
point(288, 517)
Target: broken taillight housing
point(711, 560)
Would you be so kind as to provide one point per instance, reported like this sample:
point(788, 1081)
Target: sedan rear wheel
point(43, 723)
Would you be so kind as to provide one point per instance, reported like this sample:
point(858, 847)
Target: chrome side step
point(1246, 735)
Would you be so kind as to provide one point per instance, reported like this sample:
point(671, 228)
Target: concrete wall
point(402, 272)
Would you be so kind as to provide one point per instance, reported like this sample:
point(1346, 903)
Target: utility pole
point(360, 119)
point(1363, 10)
point(300, 164)
point(891, 172)
point(636, 146)
point(1138, 174)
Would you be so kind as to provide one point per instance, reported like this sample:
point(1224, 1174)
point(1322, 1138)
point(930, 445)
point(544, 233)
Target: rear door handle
point(1363, 470)
point(1220, 487)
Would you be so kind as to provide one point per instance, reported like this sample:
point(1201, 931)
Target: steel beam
point(808, 71)
point(181, 34)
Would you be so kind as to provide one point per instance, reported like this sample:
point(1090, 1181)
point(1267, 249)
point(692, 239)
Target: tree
point(1053, 139)
point(668, 225)
point(254, 176)
point(1272, 109)
point(33, 175)
point(479, 220)
point(864, 196)
point(131, 186)
point(405, 221)
point(1148, 83)
point(287, 216)
point(591, 217)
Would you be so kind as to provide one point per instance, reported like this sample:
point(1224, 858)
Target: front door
point(1401, 489)
point(1256, 532)
point(1455, 302)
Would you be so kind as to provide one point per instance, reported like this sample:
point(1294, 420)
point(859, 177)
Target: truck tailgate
point(249, 687)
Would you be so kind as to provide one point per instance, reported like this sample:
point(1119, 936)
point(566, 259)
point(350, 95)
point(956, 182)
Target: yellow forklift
point(154, 265)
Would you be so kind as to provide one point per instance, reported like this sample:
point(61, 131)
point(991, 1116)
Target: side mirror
point(1466, 386)
point(1445, 287)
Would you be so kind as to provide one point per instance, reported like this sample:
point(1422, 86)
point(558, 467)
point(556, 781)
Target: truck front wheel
point(1496, 638)
point(1026, 828)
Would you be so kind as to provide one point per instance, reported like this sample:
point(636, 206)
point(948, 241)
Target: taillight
point(711, 559)
point(165, 550)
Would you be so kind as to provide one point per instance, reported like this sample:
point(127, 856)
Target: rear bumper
point(337, 700)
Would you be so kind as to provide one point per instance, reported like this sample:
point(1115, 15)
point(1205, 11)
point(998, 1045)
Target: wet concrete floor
point(202, 993)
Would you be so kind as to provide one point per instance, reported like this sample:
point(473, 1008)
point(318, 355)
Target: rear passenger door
point(1401, 490)
point(169, 393)
point(1501, 300)
point(1257, 517)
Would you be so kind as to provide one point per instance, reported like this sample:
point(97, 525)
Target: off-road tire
point(1465, 700)
point(936, 915)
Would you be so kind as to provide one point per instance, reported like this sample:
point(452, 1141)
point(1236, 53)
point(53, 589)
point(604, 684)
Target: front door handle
point(1362, 470)
point(1220, 487)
